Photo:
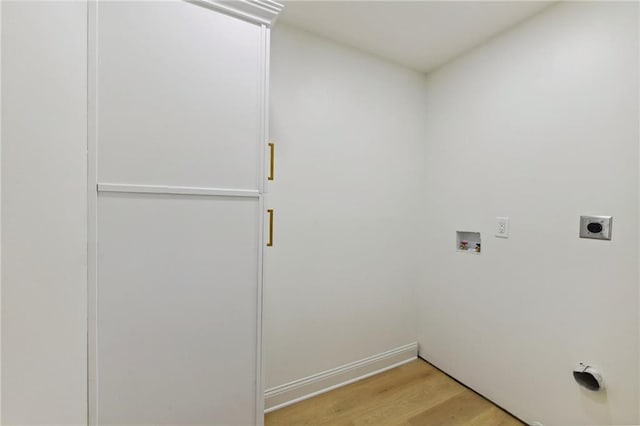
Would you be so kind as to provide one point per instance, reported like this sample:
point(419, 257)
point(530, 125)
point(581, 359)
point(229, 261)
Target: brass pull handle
point(270, 242)
point(272, 148)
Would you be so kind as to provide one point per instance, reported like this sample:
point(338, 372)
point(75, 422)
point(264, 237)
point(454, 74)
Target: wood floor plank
point(495, 417)
point(412, 394)
point(459, 410)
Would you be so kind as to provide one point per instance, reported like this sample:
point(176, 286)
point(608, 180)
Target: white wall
point(509, 129)
point(44, 225)
point(541, 125)
point(0, 212)
point(340, 280)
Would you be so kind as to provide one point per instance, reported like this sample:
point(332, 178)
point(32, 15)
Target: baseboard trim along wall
point(307, 387)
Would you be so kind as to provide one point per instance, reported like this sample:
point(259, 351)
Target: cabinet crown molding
point(262, 12)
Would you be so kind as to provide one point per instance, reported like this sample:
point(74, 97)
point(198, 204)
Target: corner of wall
point(1, 211)
point(638, 212)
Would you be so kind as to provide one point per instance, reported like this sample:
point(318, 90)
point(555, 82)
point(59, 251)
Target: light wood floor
point(415, 394)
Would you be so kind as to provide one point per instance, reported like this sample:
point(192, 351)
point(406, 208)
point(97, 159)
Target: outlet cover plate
point(596, 227)
point(502, 227)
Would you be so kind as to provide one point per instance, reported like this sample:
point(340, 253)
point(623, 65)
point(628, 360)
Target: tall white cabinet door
point(176, 310)
point(177, 100)
point(176, 79)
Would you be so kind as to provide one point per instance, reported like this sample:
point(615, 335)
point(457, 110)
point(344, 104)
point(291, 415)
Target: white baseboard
point(307, 387)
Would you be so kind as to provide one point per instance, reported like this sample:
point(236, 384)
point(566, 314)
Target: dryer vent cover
point(588, 377)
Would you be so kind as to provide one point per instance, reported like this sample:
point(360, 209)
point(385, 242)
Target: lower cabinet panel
point(176, 310)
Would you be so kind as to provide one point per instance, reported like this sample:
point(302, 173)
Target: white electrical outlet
point(502, 227)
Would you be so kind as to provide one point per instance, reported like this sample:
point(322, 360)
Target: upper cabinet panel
point(174, 79)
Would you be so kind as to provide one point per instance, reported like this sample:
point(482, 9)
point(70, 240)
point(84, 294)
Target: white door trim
point(176, 190)
point(92, 212)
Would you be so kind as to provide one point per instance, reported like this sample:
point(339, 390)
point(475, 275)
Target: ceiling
point(421, 35)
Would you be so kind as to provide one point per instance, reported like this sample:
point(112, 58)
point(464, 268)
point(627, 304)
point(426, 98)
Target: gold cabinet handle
point(272, 149)
point(270, 242)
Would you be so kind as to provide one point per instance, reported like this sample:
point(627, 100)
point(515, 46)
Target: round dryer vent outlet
point(588, 377)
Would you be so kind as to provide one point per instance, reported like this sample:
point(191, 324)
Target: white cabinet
point(177, 131)
point(177, 297)
point(179, 95)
